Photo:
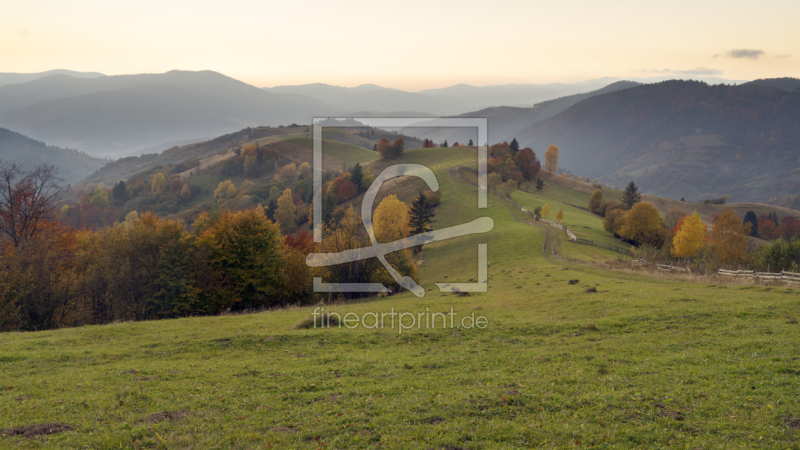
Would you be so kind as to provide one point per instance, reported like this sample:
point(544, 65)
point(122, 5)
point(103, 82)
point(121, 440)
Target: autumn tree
point(305, 171)
point(346, 190)
point(396, 149)
point(286, 214)
point(690, 238)
point(545, 210)
point(613, 221)
point(551, 159)
point(243, 260)
point(596, 201)
point(508, 187)
point(642, 225)
point(288, 172)
point(383, 148)
point(790, 228)
point(559, 216)
point(186, 193)
point(225, 189)
point(729, 237)
point(631, 196)
point(159, 180)
point(527, 163)
point(494, 180)
point(391, 220)
point(26, 199)
point(99, 198)
point(767, 229)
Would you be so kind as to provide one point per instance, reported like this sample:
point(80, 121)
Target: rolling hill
point(72, 165)
point(117, 114)
point(573, 355)
point(682, 139)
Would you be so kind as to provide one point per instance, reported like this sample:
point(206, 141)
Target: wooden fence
point(787, 277)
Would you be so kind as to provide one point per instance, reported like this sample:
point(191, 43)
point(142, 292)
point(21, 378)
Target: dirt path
point(549, 243)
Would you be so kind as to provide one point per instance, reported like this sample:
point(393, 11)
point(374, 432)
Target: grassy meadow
point(574, 355)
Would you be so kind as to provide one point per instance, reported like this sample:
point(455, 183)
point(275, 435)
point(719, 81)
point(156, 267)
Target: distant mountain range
point(370, 99)
point(72, 165)
point(16, 78)
point(506, 122)
point(120, 115)
point(683, 138)
point(114, 115)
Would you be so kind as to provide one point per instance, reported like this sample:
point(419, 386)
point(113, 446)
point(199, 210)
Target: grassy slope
point(643, 363)
point(348, 153)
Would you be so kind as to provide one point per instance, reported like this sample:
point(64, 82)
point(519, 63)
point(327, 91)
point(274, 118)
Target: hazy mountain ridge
point(113, 115)
point(72, 165)
point(682, 139)
point(506, 122)
point(16, 78)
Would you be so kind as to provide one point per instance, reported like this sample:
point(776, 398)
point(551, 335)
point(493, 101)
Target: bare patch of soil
point(37, 430)
point(166, 415)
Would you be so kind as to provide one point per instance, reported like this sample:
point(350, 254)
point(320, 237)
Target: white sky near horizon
point(411, 45)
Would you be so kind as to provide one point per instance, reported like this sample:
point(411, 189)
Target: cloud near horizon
point(742, 53)
point(697, 71)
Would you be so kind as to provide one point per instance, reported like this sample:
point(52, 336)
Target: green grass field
point(348, 153)
point(643, 362)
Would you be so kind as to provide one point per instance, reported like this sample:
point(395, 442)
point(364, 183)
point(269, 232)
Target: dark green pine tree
point(444, 144)
point(421, 215)
point(539, 185)
point(514, 145)
point(272, 205)
point(470, 143)
point(750, 217)
point(120, 193)
point(356, 176)
point(631, 196)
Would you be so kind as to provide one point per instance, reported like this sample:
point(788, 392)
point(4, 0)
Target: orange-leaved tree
point(767, 229)
point(729, 237)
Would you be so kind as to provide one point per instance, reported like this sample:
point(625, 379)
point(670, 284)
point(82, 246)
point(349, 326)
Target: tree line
point(145, 267)
point(684, 236)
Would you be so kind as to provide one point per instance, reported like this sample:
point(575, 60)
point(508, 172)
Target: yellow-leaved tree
point(729, 237)
point(642, 224)
point(390, 221)
point(551, 159)
point(690, 238)
point(225, 189)
point(158, 181)
point(286, 213)
point(559, 216)
point(545, 210)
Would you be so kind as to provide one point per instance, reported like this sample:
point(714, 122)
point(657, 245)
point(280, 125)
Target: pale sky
point(409, 45)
